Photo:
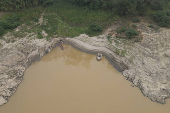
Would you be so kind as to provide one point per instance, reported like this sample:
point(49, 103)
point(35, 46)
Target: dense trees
point(123, 7)
point(17, 5)
point(156, 8)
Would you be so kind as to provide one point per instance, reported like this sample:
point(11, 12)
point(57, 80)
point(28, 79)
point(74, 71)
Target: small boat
point(60, 44)
point(99, 56)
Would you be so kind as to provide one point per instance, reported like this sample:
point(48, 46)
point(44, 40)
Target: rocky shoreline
point(14, 60)
point(145, 64)
point(123, 65)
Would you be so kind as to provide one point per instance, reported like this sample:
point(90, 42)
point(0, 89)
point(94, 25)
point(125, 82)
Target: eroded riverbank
point(73, 81)
point(146, 64)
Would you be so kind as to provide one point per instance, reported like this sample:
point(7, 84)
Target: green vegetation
point(131, 33)
point(117, 51)
point(121, 30)
point(18, 5)
point(30, 14)
point(117, 42)
point(13, 20)
point(151, 26)
point(74, 20)
point(69, 18)
point(134, 25)
point(156, 28)
point(51, 25)
point(96, 27)
point(136, 20)
point(108, 37)
point(40, 36)
point(162, 18)
point(123, 52)
point(9, 23)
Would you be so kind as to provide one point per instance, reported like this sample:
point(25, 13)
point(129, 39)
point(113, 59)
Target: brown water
point(70, 81)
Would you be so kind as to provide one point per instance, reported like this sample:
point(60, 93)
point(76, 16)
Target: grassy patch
point(30, 14)
point(121, 30)
point(117, 51)
point(66, 30)
point(82, 16)
point(39, 34)
point(117, 42)
point(51, 25)
point(134, 25)
point(77, 20)
point(123, 52)
point(12, 20)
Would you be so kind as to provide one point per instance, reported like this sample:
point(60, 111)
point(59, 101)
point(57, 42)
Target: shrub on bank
point(156, 5)
point(122, 29)
point(96, 27)
point(141, 8)
point(9, 23)
point(162, 18)
point(136, 20)
point(131, 33)
point(1, 30)
point(35, 19)
point(48, 2)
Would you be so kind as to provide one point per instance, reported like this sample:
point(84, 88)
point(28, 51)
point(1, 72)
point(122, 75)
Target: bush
point(156, 5)
point(108, 37)
point(122, 29)
point(9, 22)
point(1, 30)
point(48, 2)
point(35, 19)
point(136, 20)
point(141, 8)
point(131, 33)
point(39, 34)
point(93, 4)
point(151, 26)
point(125, 7)
point(162, 18)
point(134, 25)
point(96, 27)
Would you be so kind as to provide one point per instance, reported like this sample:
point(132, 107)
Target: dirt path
point(41, 18)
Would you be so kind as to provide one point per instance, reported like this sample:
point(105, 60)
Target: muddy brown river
point(71, 81)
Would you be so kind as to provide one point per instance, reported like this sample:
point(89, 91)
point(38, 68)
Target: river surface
point(70, 81)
